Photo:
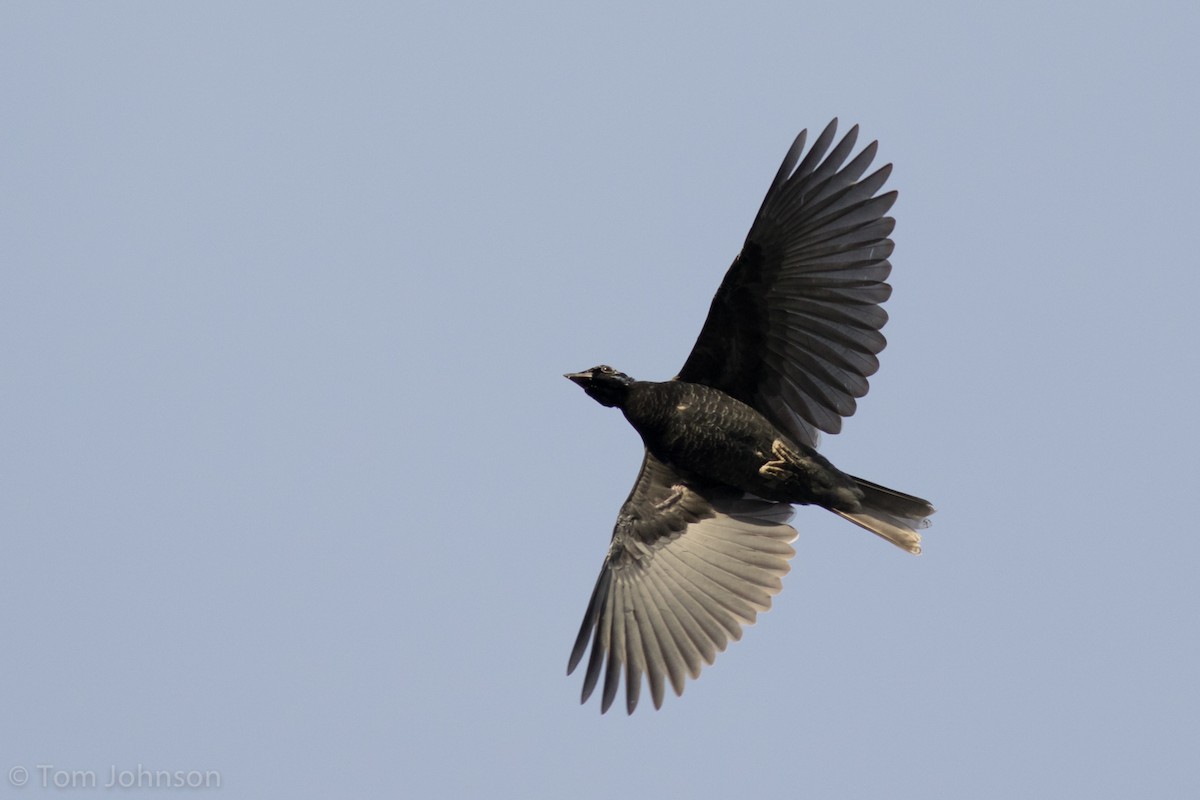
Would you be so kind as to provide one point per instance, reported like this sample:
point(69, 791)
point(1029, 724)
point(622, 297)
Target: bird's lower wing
point(688, 567)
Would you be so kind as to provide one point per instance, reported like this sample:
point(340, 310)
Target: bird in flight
point(703, 539)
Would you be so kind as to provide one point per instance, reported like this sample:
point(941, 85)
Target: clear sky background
point(292, 489)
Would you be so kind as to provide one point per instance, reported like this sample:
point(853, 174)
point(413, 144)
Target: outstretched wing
point(794, 329)
point(687, 568)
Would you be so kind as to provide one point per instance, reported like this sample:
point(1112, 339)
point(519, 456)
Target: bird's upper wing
point(794, 329)
point(687, 568)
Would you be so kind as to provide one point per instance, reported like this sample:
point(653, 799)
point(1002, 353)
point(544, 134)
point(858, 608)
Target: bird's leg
point(674, 497)
point(787, 463)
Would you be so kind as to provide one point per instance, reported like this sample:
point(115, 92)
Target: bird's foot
point(787, 462)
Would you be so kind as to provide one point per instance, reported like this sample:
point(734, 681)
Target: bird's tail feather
point(893, 515)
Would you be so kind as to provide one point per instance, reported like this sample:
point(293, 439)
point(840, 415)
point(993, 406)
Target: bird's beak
point(579, 378)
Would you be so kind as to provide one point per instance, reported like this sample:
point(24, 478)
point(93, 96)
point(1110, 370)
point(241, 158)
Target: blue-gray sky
point(292, 489)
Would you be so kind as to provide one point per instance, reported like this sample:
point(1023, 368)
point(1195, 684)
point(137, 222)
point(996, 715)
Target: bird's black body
point(702, 541)
point(710, 438)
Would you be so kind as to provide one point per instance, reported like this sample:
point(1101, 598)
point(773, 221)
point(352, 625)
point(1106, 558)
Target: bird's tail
point(893, 515)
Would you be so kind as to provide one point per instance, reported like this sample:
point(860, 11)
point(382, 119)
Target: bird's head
point(603, 384)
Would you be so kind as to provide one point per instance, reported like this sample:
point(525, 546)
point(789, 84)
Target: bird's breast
point(702, 432)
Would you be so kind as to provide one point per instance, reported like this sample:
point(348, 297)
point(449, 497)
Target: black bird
point(702, 541)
